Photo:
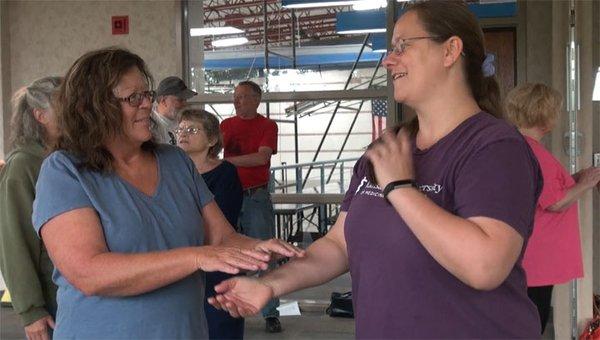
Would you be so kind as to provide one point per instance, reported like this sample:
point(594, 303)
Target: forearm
point(118, 274)
point(457, 244)
point(249, 160)
point(325, 260)
point(571, 196)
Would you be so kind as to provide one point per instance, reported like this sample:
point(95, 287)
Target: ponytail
point(25, 128)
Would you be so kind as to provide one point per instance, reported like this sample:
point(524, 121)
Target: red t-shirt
point(245, 136)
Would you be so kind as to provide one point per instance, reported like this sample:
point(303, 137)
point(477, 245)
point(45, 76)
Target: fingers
point(281, 247)
point(213, 302)
point(230, 260)
point(51, 322)
point(234, 306)
point(225, 285)
point(243, 260)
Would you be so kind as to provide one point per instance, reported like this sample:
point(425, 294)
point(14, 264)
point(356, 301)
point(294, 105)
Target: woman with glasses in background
point(435, 220)
point(199, 136)
point(129, 224)
point(25, 265)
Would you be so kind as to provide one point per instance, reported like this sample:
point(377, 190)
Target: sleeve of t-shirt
point(269, 137)
point(58, 190)
point(555, 185)
point(499, 181)
point(358, 174)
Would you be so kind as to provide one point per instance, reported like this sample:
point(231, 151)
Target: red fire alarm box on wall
point(120, 24)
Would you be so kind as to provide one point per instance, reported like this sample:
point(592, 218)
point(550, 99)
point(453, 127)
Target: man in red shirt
point(249, 140)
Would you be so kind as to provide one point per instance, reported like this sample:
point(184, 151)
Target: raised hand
point(588, 177)
point(241, 296)
point(392, 158)
point(279, 248)
point(230, 260)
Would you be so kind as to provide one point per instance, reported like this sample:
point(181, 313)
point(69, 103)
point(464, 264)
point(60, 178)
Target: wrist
point(399, 184)
point(268, 284)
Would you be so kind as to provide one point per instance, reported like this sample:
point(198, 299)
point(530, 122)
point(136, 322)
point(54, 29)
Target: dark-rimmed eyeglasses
point(188, 130)
point(401, 44)
point(135, 99)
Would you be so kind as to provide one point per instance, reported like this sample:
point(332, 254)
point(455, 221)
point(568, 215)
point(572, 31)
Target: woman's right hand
point(589, 177)
point(38, 330)
point(230, 260)
point(241, 296)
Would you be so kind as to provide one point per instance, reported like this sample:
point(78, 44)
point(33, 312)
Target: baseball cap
point(174, 86)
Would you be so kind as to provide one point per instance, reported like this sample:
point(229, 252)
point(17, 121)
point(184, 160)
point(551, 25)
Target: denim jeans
point(257, 220)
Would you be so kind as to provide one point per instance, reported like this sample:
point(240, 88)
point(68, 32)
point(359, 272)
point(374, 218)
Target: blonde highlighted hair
point(533, 105)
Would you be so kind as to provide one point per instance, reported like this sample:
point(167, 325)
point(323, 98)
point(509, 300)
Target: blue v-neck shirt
point(132, 222)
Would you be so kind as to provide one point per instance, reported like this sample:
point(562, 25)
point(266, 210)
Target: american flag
point(379, 109)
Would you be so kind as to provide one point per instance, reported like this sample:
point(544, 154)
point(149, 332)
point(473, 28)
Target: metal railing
point(279, 180)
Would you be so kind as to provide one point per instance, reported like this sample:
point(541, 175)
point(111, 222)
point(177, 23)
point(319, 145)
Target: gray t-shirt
point(482, 168)
point(132, 222)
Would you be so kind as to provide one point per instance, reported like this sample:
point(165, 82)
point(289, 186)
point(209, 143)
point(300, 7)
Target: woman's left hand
point(392, 158)
point(279, 247)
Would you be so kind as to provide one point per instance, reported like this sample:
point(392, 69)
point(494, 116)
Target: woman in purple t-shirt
point(437, 252)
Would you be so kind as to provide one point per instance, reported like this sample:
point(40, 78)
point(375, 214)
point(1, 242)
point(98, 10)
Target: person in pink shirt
point(553, 254)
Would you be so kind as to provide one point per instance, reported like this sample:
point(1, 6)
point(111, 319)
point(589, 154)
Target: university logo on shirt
point(367, 188)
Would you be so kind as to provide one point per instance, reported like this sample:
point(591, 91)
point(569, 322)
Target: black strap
point(403, 183)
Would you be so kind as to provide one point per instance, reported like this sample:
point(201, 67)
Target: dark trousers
point(541, 296)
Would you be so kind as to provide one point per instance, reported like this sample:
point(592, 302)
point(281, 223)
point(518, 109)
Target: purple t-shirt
point(482, 168)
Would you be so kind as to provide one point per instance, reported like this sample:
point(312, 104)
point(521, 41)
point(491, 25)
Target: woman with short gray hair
point(199, 135)
point(25, 264)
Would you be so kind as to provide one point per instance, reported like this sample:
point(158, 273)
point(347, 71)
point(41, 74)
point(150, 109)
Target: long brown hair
point(443, 20)
point(87, 110)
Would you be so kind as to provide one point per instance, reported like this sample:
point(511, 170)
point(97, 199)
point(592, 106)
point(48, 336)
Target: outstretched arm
point(325, 259)
point(586, 179)
point(76, 244)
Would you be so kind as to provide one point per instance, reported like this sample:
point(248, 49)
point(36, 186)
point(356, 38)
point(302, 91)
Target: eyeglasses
point(136, 98)
point(401, 44)
point(189, 130)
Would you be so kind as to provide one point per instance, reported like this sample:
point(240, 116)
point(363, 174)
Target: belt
point(251, 191)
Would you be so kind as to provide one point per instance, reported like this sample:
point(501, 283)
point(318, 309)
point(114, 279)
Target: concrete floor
point(312, 324)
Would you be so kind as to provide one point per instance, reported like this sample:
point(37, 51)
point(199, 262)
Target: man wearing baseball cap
point(171, 96)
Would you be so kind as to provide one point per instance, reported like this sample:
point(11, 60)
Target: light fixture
point(366, 5)
point(596, 95)
point(363, 31)
point(230, 42)
point(204, 31)
point(315, 3)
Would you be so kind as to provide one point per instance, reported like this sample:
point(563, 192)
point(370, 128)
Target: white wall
point(41, 38)
point(46, 37)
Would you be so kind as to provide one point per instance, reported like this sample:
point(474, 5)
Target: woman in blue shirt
point(130, 225)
